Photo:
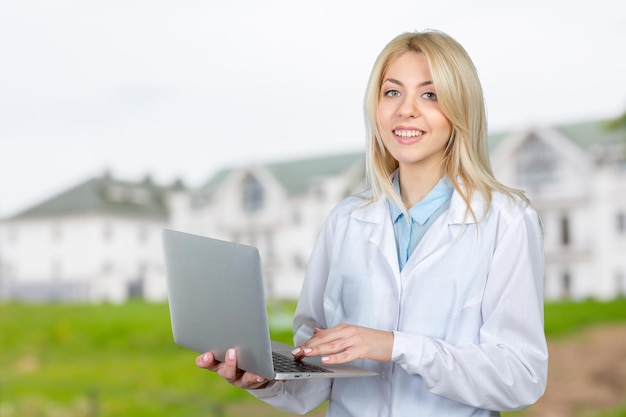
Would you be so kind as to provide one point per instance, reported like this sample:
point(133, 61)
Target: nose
point(408, 107)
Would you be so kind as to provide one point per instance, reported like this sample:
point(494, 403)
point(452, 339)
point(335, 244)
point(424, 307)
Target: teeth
point(408, 133)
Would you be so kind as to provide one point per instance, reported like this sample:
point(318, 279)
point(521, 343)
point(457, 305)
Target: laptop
point(217, 301)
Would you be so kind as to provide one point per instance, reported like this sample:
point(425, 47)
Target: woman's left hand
point(345, 343)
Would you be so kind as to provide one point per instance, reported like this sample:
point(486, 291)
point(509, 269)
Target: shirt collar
point(421, 212)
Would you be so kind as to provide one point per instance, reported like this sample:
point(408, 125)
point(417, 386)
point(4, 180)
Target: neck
point(415, 185)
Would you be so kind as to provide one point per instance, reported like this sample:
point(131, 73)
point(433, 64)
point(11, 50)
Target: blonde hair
point(459, 93)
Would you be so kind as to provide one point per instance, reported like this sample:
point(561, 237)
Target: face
point(411, 124)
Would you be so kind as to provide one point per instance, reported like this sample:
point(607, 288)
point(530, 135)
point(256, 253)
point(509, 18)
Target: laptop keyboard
point(283, 363)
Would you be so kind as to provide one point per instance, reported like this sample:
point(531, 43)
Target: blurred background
point(243, 120)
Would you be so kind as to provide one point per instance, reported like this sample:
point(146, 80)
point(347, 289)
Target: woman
point(434, 277)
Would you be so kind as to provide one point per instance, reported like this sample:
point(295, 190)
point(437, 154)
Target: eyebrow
point(394, 81)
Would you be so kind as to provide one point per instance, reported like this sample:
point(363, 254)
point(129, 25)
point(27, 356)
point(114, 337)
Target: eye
point(430, 96)
point(391, 93)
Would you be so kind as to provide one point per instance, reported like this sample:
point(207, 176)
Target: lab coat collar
point(458, 213)
point(381, 233)
point(377, 212)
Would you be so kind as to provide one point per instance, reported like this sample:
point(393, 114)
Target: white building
point(102, 239)
point(98, 241)
point(277, 207)
point(575, 176)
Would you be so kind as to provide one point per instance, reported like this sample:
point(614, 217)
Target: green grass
point(564, 318)
point(84, 360)
point(101, 360)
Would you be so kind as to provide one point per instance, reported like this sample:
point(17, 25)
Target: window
point(139, 196)
point(253, 194)
point(566, 281)
point(621, 223)
point(536, 163)
point(299, 261)
point(200, 200)
point(116, 193)
point(565, 231)
point(134, 195)
point(620, 282)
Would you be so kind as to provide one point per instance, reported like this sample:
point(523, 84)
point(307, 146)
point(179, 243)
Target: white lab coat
point(466, 312)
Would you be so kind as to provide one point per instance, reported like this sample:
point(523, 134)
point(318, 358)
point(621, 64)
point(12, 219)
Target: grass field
point(86, 361)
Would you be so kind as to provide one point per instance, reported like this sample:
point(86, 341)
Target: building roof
point(105, 195)
point(108, 196)
point(584, 134)
point(297, 176)
point(601, 133)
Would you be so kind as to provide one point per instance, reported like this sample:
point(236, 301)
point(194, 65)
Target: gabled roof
point(594, 133)
point(494, 139)
point(584, 134)
point(298, 175)
point(107, 196)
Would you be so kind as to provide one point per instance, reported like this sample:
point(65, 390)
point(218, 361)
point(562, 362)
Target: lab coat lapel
point(444, 231)
point(380, 233)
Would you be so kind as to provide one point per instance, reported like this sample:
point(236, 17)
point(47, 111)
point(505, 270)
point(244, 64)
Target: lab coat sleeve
point(301, 396)
point(295, 396)
point(507, 368)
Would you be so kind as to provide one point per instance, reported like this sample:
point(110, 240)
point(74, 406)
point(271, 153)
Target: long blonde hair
point(459, 93)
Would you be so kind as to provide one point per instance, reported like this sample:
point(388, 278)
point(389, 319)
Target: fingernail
point(205, 357)
point(325, 359)
point(308, 350)
point(231, 354)
point(259, 380)
point(295, 351)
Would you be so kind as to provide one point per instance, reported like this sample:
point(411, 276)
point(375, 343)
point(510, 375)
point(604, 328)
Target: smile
point(408, 133)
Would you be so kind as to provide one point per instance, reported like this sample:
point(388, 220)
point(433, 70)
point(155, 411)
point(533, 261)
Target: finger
point(229, 370)
point(326, 344)
point(238, 378)
point(338, 358)
point(252, 381)
point(208, 361)
point(300, 352)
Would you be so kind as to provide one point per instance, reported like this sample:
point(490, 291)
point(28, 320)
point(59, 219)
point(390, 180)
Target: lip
point(410, 139)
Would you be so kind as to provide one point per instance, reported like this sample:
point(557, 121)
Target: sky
point(181, 89)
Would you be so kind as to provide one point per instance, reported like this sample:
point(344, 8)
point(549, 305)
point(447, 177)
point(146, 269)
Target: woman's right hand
point(228, 370)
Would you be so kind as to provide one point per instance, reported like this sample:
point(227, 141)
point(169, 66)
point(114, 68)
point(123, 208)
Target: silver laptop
point(217, 301)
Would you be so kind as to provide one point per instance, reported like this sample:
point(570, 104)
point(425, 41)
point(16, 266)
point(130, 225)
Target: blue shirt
point(422, 215)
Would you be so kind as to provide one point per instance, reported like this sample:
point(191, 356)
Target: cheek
point(442, 123)
point(445, 126)
point(380, 122)
point(384, 114)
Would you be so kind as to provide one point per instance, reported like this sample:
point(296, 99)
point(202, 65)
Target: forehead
point(408, 65)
